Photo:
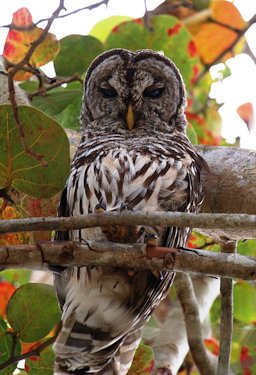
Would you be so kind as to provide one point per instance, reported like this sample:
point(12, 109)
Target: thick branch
point(134, 256)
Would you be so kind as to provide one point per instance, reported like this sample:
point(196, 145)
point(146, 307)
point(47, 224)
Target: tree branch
point(30, 27)
point(163, 219)
point(59, 82)
point(135, 256)
point(186, 295)
point(226, 318)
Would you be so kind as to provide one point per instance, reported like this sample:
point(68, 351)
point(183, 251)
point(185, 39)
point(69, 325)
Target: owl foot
point(151, 239)
point(99, 209)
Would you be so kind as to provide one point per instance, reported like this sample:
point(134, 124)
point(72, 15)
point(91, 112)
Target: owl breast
point(116, 177)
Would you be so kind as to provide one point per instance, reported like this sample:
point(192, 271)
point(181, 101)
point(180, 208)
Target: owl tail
point(119, 364)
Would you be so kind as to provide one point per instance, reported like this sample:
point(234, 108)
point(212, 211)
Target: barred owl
point(134, 155)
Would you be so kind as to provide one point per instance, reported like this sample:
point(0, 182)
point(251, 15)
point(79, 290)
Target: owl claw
point(99, 208)
point(123, 207)
point(151, 239)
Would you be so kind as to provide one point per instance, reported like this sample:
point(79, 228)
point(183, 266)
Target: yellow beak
point(130, 117)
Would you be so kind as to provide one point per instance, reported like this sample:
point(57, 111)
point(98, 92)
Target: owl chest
point(121, 177)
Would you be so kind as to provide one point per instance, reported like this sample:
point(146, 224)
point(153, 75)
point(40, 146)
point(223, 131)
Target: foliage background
point(196, 35)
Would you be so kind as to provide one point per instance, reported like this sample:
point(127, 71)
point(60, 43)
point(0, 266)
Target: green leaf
point(143, 361)
point(3, 325)
point(76, 54)
point(16, 276)
point(6, 349)
point(33, 311)
point(169, 36)
point(191, 134)
point(247, 248)
point(102, 29)
point(46, 137)
point(42, 365)
point(56, 101)
point(245, 302)
point(69, 118)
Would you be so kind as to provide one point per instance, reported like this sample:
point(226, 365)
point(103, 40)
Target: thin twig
point(31, 353)
point(226, 318)
point(135, 256)
point(31, 27)
point(15, 69)
point(186, 295)
point(58, 83)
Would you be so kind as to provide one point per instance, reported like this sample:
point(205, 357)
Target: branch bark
point(136, 256)
point(226, 318)
point(187, 298)
point(235, 222)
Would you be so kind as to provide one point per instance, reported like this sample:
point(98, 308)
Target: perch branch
point(163, 219)
point(226, 318)
point(186, 295)
point(135, 256)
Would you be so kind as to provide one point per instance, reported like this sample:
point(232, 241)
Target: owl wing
point(86, 342)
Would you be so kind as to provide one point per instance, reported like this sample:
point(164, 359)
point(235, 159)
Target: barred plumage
point(133, 155)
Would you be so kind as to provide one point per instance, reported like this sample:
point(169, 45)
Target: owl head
point(127, 92)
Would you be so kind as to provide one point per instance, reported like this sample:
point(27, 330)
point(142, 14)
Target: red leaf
point(246, 113)
point(6, 291)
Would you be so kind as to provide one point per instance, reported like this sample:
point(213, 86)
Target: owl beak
point(130, 117)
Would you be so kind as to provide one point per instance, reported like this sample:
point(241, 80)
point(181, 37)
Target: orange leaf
point(6, 291)
point(226, 13)
point(213, 345)
point(211, 40)
point(18, 43)
point(246, 113)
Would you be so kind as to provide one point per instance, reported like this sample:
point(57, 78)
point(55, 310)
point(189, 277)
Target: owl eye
point(153, 93)
point(108, 93)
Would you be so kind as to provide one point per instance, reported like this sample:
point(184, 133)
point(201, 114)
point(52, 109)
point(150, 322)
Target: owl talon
point(151, 239)
point(99, 208)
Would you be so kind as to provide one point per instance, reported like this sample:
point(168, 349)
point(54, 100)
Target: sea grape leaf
point(6, 291)
point(69, 117)
point(102, 29)
point(169, 36)
point(55, 102)
point(33, 311)
point(76, 54)
point(18, 43)
point(46, 137)
point(227, 13)
point(212, 39)
point(6, 348)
